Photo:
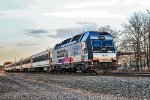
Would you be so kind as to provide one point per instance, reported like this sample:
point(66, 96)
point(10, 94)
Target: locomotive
point(91, 51)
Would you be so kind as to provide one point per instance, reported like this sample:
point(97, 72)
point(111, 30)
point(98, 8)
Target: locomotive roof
point(83, 37)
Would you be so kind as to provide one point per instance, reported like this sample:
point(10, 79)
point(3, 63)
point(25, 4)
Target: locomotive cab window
point(108, 43)
point(96, 43)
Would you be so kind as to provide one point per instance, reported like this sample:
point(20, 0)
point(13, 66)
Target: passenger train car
point(90, 51)
point(38, 62)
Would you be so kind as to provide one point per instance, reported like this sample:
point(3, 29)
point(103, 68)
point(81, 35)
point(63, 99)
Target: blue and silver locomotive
point(90, 51)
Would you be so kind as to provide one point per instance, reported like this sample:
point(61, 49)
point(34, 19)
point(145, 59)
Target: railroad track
point(121, 74)
point(118, 74)
point(130, 74)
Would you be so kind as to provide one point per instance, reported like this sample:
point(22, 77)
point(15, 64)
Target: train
point(88, 52)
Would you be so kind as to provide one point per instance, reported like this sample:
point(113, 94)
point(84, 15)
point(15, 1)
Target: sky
point(31, 26)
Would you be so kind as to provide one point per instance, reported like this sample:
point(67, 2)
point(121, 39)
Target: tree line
point(134, 38)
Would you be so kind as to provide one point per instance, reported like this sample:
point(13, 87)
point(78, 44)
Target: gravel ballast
point(29, 86)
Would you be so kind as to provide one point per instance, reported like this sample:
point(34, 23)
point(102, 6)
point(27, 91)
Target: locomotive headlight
point(103, 48)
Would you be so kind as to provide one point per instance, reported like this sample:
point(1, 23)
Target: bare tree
point(137, 35)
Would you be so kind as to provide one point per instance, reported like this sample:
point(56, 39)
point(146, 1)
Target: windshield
point(107, 43)
point(104, 43)
point(103, 46)
point(97, 43)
